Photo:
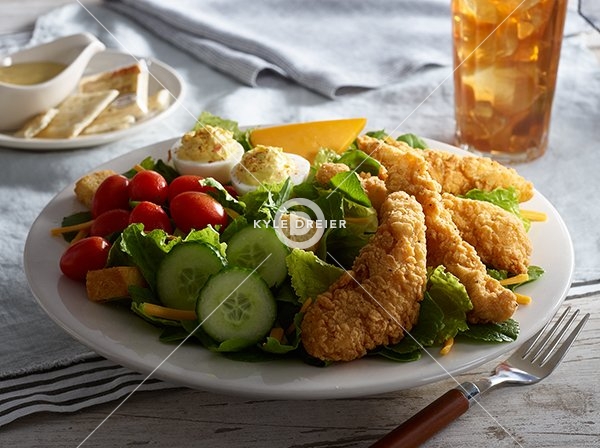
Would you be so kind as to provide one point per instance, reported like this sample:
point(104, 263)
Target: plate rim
point(88, 141)
point(202, 380)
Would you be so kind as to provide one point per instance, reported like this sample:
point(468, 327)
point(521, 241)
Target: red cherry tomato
point(85, 255)
point(148, 186)
point(187, 182)
point(109, 222)
point(112, 193)
point(194, 210)
point(152, 216)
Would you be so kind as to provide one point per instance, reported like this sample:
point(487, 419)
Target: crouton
point(88, 184)
point(104, 285)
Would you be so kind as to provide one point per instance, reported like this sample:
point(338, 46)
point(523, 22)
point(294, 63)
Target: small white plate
point(161, 76)
point(121, 336)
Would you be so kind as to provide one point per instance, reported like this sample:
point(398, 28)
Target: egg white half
point(299, 175)
point(219, 170)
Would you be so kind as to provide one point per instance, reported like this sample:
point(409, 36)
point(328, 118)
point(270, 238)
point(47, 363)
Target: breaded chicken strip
point(378, 300)
point(328, 170)
point(375, 189)
point(459, 174)
point(408, 171)
point(498, 236)
point(374, 185)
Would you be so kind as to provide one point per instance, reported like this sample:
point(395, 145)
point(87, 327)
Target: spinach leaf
point(413, 141)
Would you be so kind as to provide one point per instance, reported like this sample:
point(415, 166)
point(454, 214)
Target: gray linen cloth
point(328, 46)
point(33, 349)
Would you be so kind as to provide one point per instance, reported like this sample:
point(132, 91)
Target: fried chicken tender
point(375, 188)
point(328, 170)
point(497, 235)
point(374, 185)
point(378, 300)
point(408, 171)
point(459, 174)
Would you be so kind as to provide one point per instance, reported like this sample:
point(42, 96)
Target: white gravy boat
point(21, 102)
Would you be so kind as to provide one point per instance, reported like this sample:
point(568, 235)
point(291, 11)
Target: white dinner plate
point(121, 336)
point(161, 76)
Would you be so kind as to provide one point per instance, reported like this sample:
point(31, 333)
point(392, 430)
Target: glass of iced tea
point(506, 56)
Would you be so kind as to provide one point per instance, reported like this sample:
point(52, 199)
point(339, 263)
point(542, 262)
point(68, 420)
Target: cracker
point(129, 80)
point(36, 124)
point(124, 112)
point(76, 113)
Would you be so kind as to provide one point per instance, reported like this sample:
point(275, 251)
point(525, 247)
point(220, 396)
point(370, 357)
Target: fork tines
point(540, 348)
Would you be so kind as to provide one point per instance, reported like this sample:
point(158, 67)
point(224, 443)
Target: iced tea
point(506, 56)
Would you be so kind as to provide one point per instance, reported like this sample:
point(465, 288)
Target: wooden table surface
point(562, 411)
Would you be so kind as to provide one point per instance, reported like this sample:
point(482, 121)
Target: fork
point(531, 362)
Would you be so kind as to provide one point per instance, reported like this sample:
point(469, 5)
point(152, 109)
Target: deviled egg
point(208, 152)
point(268, 165)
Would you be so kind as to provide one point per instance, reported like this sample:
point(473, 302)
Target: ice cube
point(509, 90)
point(484, 12)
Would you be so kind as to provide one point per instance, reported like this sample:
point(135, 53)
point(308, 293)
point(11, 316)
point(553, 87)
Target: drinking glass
point(506, 55)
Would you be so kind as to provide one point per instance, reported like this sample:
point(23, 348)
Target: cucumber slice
point(184, 271)
point(236, 305)
point(250, 247)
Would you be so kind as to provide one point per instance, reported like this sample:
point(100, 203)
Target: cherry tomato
point(112, 193)
point(152, 216)
point(110, 221)
point(85, 255)
point(148, 186)
point(187, 182)
point(194, 210)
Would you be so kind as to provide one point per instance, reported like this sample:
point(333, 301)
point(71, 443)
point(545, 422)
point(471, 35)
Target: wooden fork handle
point(423, 425)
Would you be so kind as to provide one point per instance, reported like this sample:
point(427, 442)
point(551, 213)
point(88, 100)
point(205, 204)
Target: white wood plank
point(561, 411)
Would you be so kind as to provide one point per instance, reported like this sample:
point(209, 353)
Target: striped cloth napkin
point(69, 389)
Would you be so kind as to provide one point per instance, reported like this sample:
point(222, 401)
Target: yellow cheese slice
point(306, 139)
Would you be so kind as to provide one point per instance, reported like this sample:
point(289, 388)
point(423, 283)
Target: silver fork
point(532, 362)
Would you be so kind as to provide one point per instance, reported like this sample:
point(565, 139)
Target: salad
point(213, 265)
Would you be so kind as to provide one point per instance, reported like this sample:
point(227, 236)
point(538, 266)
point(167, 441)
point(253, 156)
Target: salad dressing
point(30, 73)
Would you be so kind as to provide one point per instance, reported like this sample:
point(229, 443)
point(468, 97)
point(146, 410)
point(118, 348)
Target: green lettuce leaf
point(206, 118)
point(360, 161)
point(534, 272)
point(506, 198)
point(138, 308)
point(264, 202)
point(349, 185)
point(380, 134)
point(425, 332)
point(452, 298)
point(209, 236)
point(167, 171)
point(324, 155)
point(74, 219)
point(222, 196)
point(413, 141)
point(310, 276)
point(506, 331)
point(146, 250)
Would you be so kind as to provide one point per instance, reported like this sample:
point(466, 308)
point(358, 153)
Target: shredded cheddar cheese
point(448, 343)
point(522, 299)
point(514, 280)
point(533, 215)
point(80, 235)
point(277, 333)
point(168, 313)
point(74, 228)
